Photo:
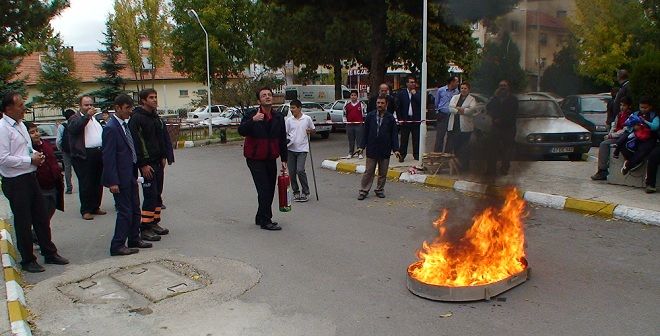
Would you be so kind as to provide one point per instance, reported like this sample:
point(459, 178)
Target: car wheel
point(576, 157)
point(325, 135)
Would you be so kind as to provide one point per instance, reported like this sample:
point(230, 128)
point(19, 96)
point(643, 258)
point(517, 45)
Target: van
point(314, 93)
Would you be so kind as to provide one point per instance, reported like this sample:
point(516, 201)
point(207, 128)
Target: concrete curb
point(590, 207)
point(16, 304)
point(199, 143)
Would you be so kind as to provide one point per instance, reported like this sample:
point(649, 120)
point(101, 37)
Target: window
point(183, 93)
point(515, 26)
point(338, 106)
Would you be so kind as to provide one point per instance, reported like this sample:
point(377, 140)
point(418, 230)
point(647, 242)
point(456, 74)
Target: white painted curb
point(637, 215)
point(329, 164)
point(546, 200)
point(470, 187)
point(413, 178)
point(21, 328)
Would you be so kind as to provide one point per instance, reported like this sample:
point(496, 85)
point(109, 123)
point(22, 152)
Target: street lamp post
point(422, 126)
point(193, 14)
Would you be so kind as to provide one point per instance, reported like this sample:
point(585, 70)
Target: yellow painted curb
point(596, 208)
point(180, 144)
point(16, 311)
point(346, 167)
point(393, 174)
point(437, 181)
point(12, 275)
point(7, 247)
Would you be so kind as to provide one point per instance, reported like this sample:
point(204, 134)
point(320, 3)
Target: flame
point(491, 250)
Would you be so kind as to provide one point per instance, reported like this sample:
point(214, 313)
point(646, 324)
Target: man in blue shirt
point(442, 98)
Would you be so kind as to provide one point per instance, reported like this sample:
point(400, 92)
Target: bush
point(645, 77)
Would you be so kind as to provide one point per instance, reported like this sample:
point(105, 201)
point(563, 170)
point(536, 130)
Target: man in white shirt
point(85, 134)
point(298, 126)
point(18, 165)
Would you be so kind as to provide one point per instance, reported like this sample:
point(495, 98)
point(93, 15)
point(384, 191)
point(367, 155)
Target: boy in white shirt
point(298, 126)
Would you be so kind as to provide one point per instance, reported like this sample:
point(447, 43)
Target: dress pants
point(66, 158)
point(457, 143)
point(369, 172)
point(406, 130)
point(127, 225)
point(296, 164)
point(500, 148)
point(264, 174)
point(441, 125)
point(27, 205)
point(89, 172)
point(652, 166)
point(151, 191)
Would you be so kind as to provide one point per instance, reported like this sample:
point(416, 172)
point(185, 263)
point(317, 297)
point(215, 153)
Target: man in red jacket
point(49, 174)
point(265, 139)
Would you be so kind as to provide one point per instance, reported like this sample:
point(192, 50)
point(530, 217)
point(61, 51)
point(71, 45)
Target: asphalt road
point(339, 265)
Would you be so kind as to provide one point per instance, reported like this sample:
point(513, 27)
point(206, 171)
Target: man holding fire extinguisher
point(265, 139)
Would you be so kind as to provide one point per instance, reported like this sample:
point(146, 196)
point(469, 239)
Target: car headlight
point(535, 138)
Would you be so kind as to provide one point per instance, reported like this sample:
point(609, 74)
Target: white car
point(337, 113)
point(231, 115)
point(202, 113)
point(542, 129)
point(321, 118)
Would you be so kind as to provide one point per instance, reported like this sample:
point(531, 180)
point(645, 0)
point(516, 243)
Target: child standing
point(49, 174)
point(298, 126)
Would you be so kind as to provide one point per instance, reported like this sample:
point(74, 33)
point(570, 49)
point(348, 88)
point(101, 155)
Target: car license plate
point(561, 150)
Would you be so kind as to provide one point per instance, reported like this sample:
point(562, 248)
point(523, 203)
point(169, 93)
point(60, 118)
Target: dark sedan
point(590, 112)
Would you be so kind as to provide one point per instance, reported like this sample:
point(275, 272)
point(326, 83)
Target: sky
point(83, 23)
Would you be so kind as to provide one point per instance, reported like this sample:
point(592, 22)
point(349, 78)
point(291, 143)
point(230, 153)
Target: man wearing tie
point(18, 165)
point(120, 176)
point(409, 116)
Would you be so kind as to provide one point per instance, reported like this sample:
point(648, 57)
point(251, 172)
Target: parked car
point(316, 112)
point(547, 95)
point(542, 129)
point(48, 133)
point(230, 115)
point(202, 113)
point(590, 111)
point(337, 113)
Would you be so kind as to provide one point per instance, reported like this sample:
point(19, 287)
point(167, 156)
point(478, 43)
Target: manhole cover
point(100, 290)
point(155, 281)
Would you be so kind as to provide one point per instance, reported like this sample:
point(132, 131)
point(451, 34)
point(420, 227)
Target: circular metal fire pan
point(466, 293)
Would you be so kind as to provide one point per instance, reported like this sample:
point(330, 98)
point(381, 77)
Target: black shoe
point(33, 267)
point(624, 170)
point(140, 244)
point(401, 159)
point(650, 189)
point(271, 227)
point(122, 251)
point(159, 230)
point(601, 175)
point(380, 194)
point(56, 259)
point(362, 196)
point(163, 207)
point(149, 235)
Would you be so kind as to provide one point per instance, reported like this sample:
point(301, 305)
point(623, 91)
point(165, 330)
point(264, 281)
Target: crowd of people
point(103, 153)
point(635, 135)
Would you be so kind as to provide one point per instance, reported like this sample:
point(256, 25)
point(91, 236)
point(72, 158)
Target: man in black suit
point(385, 90)
point(120, 176)
point(409, 115)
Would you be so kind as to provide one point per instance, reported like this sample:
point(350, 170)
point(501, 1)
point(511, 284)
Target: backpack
point(65, 139)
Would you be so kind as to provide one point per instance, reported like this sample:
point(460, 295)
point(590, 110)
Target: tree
point(25, 25)
point(612, 34)
point(125, 24)
point(230, 25)
point(563, 78)
point(58, 86)
point(500, 60)
point(242, 92)
point(153, 23)
point(112, 84)
point(645, 77)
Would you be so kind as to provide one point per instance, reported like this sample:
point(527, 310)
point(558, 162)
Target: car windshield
point(47, 129)
point(538, 109)
point(595, 104)
point(314, 106)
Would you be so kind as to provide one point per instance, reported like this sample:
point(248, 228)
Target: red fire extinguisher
point(284, 191)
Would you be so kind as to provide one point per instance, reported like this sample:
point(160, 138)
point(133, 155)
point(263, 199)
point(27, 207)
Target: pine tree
point(57, 84)
point(112, 84)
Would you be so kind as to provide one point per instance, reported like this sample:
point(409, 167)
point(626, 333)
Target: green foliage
point(243, 92)
point(59, 87)
point(25, 25)
point(612, 34)
point(125, 24)
point(112, 84)
point(645, 77)
point(563, 78)
point(153, 23)
point(500, 60)
point(231, 25)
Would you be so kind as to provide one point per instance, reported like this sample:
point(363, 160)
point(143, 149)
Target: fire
point(491, 250)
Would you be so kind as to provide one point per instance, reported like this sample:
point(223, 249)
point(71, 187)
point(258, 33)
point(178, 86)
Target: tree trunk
point(378, 32)
point(338, 82)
